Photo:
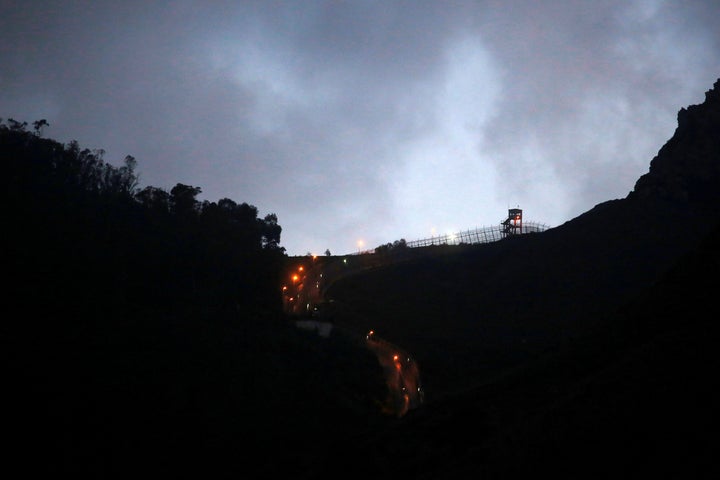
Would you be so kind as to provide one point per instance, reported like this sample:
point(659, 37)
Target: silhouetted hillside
point(143, 333)
point(585, 349)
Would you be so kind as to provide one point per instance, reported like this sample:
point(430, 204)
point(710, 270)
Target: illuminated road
point(303, 297)
point(401, 374)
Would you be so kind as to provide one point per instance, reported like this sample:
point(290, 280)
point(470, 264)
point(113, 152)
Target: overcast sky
point(367, 120)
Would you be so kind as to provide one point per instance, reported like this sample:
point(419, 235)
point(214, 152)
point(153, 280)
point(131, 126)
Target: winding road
point(306, 291)
point(401, 374)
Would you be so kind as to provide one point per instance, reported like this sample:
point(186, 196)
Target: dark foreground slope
point(637, 396)
point(142, 334)
point(589, 348)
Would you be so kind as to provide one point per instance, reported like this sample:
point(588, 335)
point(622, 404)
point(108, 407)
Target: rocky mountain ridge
point(687, 167)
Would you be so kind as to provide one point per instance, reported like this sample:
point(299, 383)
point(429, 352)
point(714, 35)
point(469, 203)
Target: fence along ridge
point(478, 235)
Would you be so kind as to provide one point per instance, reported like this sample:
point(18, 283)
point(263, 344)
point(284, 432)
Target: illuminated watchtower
point(513, 224)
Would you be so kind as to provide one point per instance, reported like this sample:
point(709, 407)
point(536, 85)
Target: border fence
point(478, 235)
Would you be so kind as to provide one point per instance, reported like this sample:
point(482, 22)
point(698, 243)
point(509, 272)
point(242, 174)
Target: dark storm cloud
point(594, 87)
point(366, 119)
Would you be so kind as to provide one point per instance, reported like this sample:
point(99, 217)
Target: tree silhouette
point(183, 202)
point(271, 232)
point(38, 126)
point(114, 243)
point(155, 199)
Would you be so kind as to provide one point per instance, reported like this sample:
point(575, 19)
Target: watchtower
point(513, 224)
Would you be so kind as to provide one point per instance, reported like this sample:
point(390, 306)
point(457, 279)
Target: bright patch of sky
point(370, 121)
